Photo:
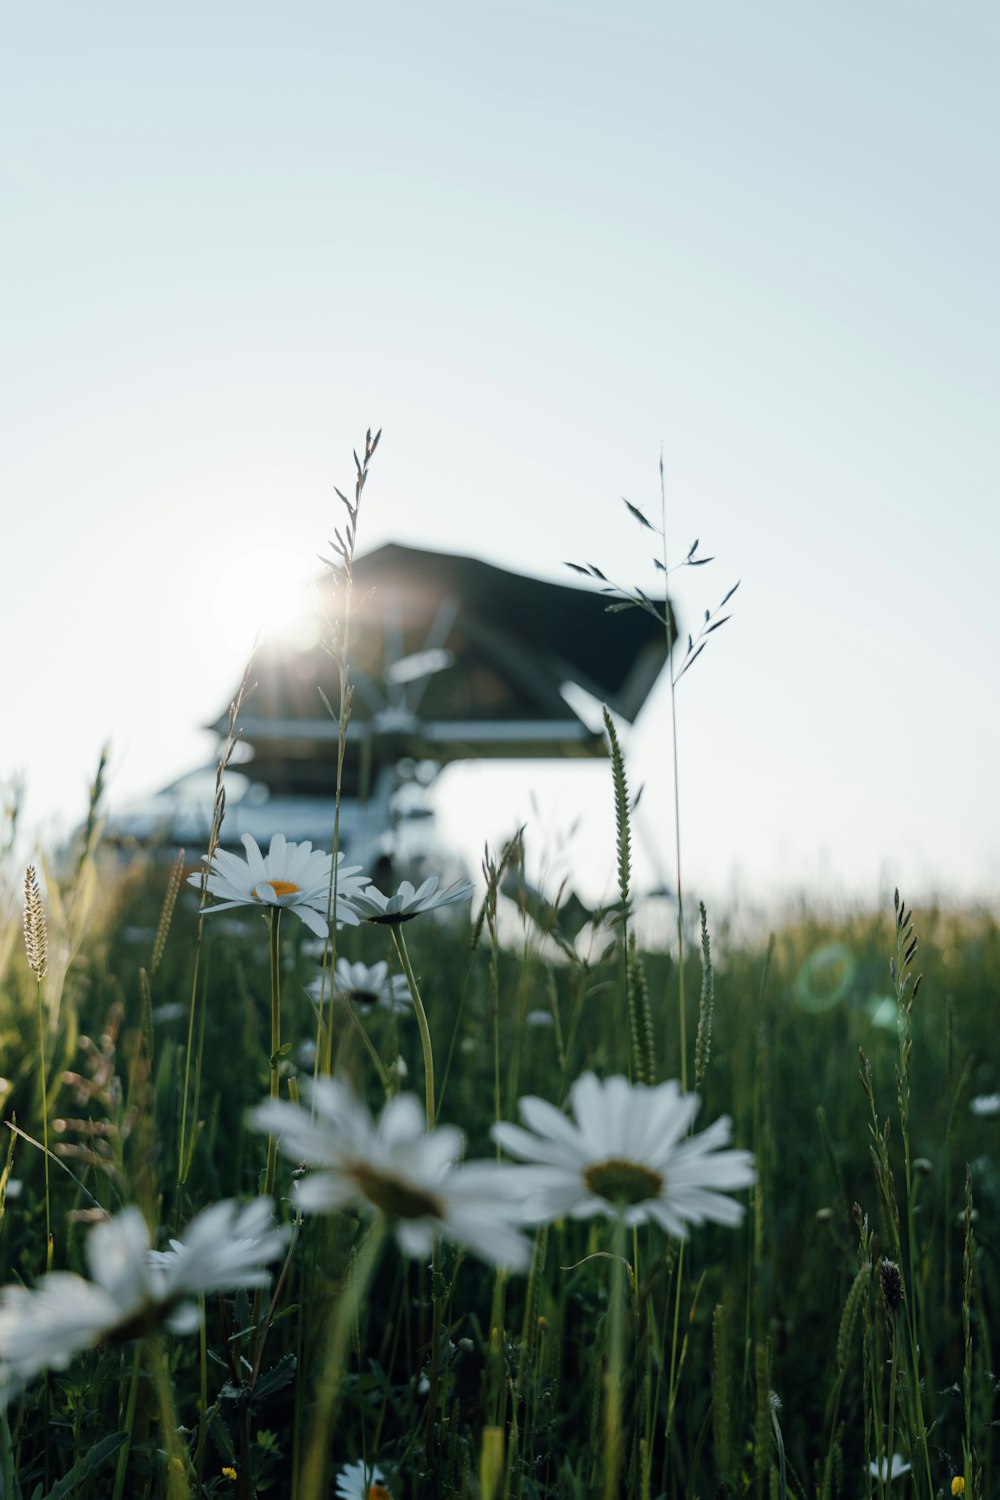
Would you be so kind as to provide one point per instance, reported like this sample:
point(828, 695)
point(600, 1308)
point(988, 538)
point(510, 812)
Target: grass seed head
point(36, 938)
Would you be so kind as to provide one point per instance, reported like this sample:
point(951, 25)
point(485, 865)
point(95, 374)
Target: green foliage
point(793, 1279)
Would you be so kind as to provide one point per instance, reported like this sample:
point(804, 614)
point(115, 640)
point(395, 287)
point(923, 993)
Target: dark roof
point(451, 658)
point(615, 657)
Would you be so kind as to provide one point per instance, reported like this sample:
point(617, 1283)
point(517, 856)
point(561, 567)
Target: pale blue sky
point(531, 241)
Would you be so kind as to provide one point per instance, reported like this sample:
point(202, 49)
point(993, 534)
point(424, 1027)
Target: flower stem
point(178, 1487)
point(342, 1320)
point(424, 1029)
point(613, 1435)
point(274, 929)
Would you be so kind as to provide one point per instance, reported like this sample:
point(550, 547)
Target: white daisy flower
point(407, 903)
point(226, 1246)
point(397, 1168)
point(361, 1482)
point(887, 1471)
point(133, 1289)
point(367, 988)
point(292, 875)
point(626, 1151)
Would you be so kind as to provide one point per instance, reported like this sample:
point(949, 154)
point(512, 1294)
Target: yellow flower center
point(395, 1198)
point(279, 887)
point(378, 1492)
point(958, 1485)
point(623, 1181)
point(363, 997)
point(228, 1472)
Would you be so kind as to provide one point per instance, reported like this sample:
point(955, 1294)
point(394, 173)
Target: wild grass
point(848, 1318)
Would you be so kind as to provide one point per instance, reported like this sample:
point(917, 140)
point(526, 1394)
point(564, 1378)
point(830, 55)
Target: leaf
point(717, 624)
point(692, 549)
point(616, 609)
point(699, 562)
point(286, 1312)
point(658, 564)
point(275, 1379)
point(595, 570)
point(66, 1487)
point(219, 1433)
point(635, 511)
point(732, 591)
point(577, 568)
point(689, 663)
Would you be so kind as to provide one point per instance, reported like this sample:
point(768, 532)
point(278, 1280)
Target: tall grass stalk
point(342, 567)
point(968, 1263)
point(637, 598)
point(189, 1104)
point(642, 1062)
point(437, 1293)
point(37, 948)
point(668, 625)
point(121, 1467)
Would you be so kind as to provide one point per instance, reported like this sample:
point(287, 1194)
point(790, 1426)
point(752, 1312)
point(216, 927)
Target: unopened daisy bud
point(891, 1282)
point(958, 1485)
point(922, 1166)
point(36, 938)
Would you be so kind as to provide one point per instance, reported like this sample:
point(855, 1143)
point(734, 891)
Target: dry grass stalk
point(167, 911)
point(36, 938)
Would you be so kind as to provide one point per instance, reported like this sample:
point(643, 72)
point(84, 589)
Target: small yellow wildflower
point(958, 1485)
point(229, 1473)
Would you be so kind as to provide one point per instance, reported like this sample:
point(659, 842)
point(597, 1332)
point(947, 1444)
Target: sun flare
point(266, 595)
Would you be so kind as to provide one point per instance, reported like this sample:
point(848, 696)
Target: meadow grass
point(837, 1343)
point(806, 1057)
